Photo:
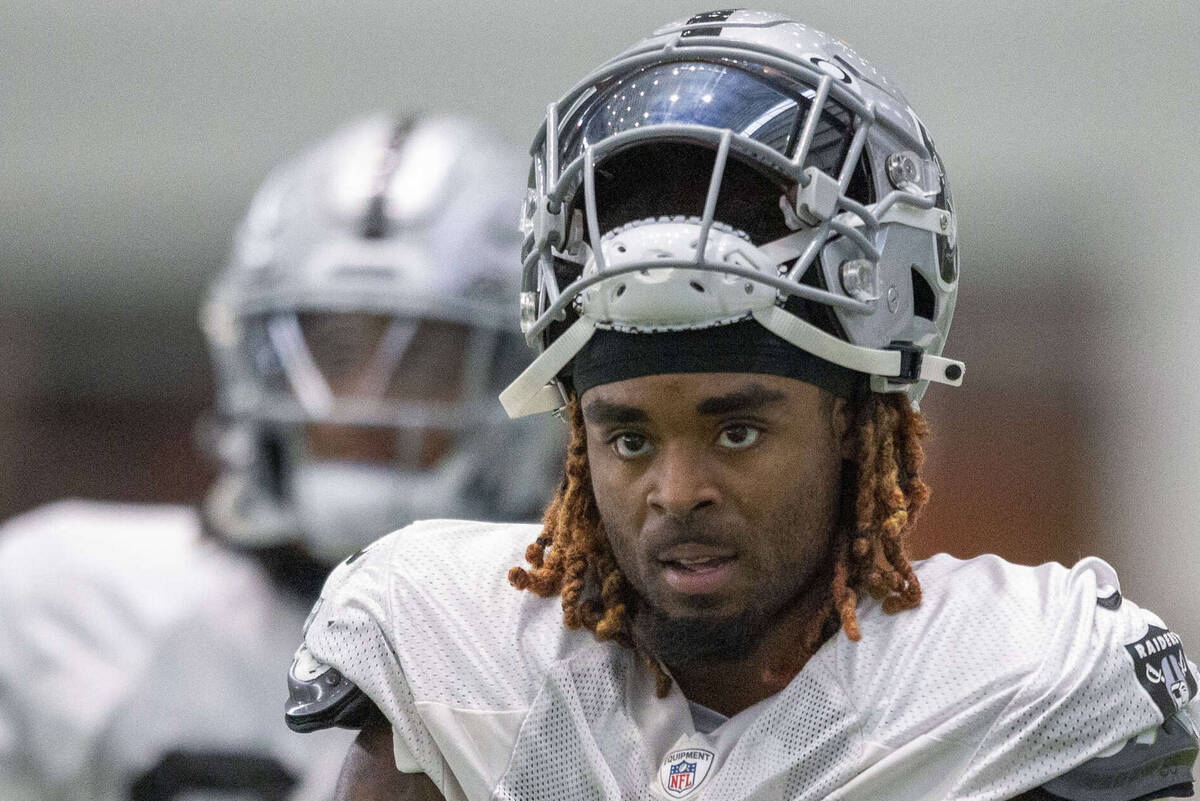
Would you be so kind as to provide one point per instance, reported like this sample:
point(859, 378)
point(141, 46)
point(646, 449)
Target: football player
point(360, 332)
point(740, 269)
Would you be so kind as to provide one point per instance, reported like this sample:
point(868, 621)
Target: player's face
point(718, 492)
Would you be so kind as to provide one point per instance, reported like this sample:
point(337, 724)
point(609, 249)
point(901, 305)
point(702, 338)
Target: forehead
point(700, 395)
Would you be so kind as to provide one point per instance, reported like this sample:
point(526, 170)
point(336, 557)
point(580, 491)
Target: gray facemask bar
point(329, 298)
point(820, 198)
point(399, 415)
point(313, 401)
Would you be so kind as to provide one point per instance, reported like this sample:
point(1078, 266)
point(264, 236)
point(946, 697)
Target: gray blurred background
point(132, 136)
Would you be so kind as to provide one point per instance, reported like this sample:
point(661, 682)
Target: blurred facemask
point(341, 505)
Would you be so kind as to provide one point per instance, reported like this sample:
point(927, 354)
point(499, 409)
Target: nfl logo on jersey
point(682, 771)
point(682, 775)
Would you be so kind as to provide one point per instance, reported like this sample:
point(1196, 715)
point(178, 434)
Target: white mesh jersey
point(140, 660)
point(1002, 679)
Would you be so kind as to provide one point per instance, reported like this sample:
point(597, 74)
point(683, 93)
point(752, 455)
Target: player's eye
point(738, 437)
point(630, 446)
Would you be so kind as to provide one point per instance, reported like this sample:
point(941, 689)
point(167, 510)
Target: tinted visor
point(751, 100)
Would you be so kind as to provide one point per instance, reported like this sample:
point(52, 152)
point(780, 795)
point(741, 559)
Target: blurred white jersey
point(139, 660)
point(1004, 678)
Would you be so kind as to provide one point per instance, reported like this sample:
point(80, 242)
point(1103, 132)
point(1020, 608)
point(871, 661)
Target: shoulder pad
point(1155, 764)
point(320, 697)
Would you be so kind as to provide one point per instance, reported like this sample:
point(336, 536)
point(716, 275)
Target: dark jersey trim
point(1110, 602)
point(1160, 768)
point(189, 774)
point(1176, 791)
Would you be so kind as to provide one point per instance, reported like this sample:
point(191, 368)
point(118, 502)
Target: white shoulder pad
point(107, 580)
point(349, 635)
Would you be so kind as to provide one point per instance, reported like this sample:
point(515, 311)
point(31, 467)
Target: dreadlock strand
point(865, 474)
point(914, 428)
point(591, 613)
point(845, 599)
point(867, 576)
point(614, 623)
point(572, 589)
point(897, 457)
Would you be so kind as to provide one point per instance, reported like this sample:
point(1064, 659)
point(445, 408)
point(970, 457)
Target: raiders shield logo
point(683, 771)
point(1162, 669)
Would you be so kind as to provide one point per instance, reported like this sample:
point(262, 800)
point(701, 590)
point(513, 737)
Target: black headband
point(742, 347)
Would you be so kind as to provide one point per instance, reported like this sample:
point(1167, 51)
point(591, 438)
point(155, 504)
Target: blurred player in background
point(360, 334)
point(741, 267)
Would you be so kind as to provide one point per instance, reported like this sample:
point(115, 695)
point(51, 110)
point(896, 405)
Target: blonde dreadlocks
point(572, 557)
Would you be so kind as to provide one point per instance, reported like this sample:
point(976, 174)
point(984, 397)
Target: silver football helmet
point(360, 332)
point(865, 271)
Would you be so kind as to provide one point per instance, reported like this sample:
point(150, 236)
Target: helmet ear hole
point(947, 264)
point(274, 462)
point(923, 297)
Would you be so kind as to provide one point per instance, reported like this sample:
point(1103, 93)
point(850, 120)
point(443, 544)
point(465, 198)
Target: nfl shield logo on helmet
point(683, 771)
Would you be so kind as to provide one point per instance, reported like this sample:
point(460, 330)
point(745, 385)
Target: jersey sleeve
point(1108, 672)
point(347, 645)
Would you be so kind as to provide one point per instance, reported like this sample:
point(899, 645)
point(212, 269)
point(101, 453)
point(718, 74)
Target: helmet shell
point(875, 233)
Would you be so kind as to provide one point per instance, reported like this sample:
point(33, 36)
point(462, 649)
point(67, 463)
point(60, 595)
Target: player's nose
point(680, 483)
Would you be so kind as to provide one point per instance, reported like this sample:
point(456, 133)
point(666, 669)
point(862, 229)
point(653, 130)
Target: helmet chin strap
point(879, 363)
point(536, 389)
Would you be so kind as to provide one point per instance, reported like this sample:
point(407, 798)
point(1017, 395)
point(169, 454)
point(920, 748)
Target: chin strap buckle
point(910, 361)
point(916, 365)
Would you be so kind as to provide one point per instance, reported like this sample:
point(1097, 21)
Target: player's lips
point(695, 568)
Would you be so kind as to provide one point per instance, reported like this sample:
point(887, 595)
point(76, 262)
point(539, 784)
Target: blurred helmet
point(360, 332)
point(857, 264)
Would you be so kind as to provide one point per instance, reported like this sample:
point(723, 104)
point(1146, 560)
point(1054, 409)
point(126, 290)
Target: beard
point(691, 639)
point(678, 640)
point(685, 640)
